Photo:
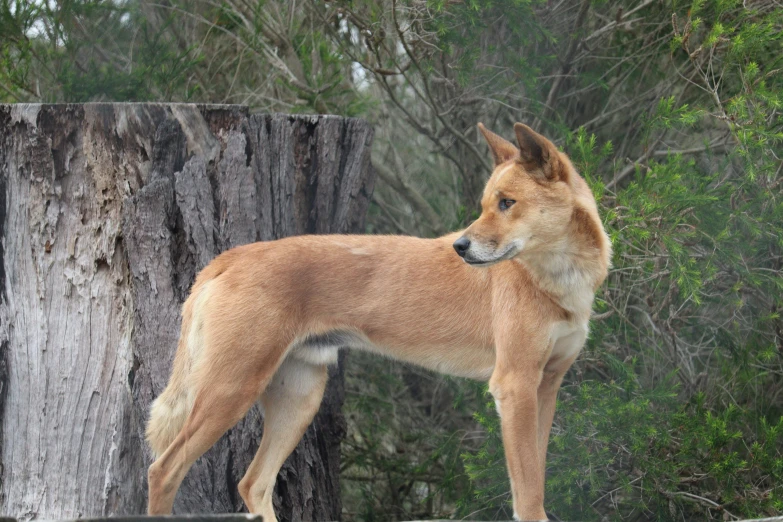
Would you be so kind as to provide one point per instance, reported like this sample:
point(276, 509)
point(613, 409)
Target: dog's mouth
point(511, 250)
point(480, 263)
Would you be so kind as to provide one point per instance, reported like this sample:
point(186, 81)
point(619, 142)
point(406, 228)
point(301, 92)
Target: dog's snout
point(462, 245)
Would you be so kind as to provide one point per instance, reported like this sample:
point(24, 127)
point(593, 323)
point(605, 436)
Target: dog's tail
point(170, 410)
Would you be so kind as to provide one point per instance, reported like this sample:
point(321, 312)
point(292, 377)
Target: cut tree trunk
point(107, 211)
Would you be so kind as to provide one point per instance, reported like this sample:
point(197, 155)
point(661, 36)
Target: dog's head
point(527, 204)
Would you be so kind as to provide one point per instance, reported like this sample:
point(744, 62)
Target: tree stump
point(107, 212)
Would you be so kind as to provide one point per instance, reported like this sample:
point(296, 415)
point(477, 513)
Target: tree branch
point(429, 217)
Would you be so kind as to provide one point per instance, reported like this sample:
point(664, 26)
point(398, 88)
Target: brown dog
point(512, 305)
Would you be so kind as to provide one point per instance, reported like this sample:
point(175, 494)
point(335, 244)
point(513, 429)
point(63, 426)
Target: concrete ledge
point(230, 517)
point(246, 517)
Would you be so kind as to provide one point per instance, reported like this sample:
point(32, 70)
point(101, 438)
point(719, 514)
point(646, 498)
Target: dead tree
point(107, 211)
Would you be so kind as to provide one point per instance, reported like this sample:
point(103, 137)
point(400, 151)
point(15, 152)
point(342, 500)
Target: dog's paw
point(516, 517)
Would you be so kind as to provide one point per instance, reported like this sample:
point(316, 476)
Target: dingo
point(512, 305)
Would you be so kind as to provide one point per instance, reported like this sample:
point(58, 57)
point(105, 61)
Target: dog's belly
point(461, 361)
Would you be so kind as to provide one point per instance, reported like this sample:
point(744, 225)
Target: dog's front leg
point(515, 391)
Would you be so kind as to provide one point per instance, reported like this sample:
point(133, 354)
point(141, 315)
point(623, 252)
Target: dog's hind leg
point(213, 414)
point(226, 389)
point(290, 402)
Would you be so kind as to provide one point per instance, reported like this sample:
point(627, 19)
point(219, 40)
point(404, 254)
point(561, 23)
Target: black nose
point(462, 245)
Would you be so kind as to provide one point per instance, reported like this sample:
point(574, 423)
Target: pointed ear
point(533, 147)
point(502, 150)
point(537, 152)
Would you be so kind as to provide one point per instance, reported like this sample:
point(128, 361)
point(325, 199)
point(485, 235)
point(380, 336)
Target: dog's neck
point(567, 274)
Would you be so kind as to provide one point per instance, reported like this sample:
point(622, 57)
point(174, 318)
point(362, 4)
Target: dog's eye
point(505, 204)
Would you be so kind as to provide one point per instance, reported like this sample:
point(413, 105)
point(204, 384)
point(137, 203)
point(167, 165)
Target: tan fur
point(252, 325)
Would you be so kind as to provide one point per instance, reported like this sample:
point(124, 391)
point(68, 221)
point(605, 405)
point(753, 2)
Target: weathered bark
point(107, 211)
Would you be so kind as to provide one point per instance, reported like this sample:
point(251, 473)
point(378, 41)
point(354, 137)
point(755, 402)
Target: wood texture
point(107, 211)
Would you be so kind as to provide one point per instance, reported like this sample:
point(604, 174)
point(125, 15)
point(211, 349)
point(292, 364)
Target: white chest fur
point(567, 339)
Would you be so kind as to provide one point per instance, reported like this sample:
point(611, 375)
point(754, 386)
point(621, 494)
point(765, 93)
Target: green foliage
point(668, 415)
point(86, 50)
point(621, 450)
point(400, 460)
